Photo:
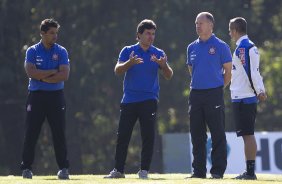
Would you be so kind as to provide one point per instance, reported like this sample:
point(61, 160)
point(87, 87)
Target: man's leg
point(250, 146)
point(247, 119)
point(214, 113)
point(128, 118)
point(198, 135)
point(57, 121)
point(147, 117)
point(35, 116)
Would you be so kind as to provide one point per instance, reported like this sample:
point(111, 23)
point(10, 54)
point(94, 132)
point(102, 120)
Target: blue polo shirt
point(46, 59)
point(207, 59)
point(141, 81)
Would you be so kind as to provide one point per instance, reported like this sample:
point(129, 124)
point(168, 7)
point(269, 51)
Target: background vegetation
point(94, 32)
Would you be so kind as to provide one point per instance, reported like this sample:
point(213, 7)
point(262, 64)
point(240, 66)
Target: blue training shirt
point(141, 81)
point(207, 59)
point(46, 59)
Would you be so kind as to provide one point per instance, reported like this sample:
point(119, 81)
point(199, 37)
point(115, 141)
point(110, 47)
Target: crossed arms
point(49, 76)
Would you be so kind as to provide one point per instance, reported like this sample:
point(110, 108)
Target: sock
point(250, 167)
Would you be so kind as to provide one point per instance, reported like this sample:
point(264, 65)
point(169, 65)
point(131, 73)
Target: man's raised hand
point(162, 61)
point(134, 59)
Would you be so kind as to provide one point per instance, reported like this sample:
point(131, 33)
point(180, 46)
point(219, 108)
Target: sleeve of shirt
point(123, 55)
point(162, 54)
point(188, 62)
point(226, 56)
point(64, 58)
point(30, 56)
point(255, 74)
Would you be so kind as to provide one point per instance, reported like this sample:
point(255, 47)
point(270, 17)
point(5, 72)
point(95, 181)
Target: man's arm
point(122, 67)
point(61, 75)
point(255, 74)
point(167, 72)
point(227, 73)
point(34, 73)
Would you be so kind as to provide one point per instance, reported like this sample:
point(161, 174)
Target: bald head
point(204, 25)
point(207, 15)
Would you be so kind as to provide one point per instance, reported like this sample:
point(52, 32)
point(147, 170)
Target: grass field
point(132, 179)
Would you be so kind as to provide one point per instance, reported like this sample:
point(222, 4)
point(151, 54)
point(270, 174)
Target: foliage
point(94, 32)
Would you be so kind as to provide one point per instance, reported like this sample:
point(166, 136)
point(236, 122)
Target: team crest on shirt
point(242, 55)
point(152, 56)
point(212, 50)
point(55, 57)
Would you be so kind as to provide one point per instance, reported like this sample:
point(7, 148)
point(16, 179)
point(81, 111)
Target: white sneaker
point(143, 174)
point(115, 174)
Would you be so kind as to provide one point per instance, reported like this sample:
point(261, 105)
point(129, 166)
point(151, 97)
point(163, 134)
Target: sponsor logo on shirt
point(39, 60)
point(193, 55)
point(212, 50)
point(242, 55)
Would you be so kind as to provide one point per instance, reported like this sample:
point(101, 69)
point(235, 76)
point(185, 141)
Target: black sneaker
point(115, 174)
point(27, 174)
point(196, 176)
point(245, 176)
point(63, 174)
point(143, 174)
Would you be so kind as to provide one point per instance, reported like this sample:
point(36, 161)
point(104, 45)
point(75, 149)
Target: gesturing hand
point(162, 61)
point(134, 59)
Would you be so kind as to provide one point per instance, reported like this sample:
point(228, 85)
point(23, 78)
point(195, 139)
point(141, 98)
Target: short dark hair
point(208, 15)
point(146, 24)
point(47, 24)
point(239, 24)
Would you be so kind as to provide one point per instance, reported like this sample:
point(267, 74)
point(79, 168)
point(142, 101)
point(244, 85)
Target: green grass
point(132, 179)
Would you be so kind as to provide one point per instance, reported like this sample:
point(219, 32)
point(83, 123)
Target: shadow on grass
point(259, 179)
point(53, 179)
point(156, 179)
point(267, 180)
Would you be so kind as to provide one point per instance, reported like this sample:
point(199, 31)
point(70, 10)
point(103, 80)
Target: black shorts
point(245, 117)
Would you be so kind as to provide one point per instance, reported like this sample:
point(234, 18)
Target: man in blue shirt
point(47, 66)
point(209, 63)
point(246, 89)
point(140, 63)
